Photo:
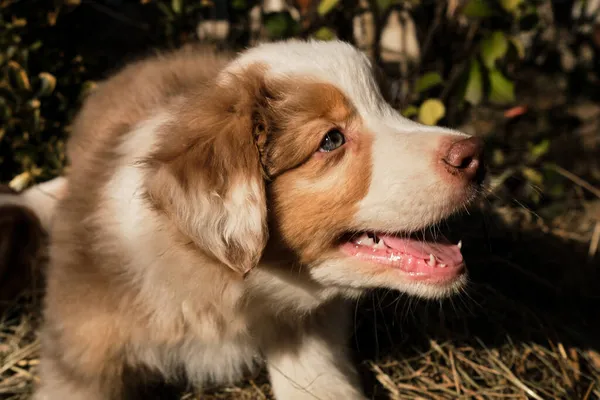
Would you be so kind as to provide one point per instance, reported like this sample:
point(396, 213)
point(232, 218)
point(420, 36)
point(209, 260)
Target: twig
point(459, 68)
point(589, 391)
point(386, 381)
point(455, 73)
point(509, 375)
point(594, 241)
point(574, 178)
point(439, 13)
point(525, 272)
point(258, 391)
point(18, 355)
point(454, 373)
point(117, 16)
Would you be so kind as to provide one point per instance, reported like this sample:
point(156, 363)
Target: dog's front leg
point(316, 363)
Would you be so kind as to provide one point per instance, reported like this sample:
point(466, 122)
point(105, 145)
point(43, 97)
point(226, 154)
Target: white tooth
point(459, 245)
point(442, 265)
point(367, 242)
point(431, 261)
point(380, 244)
point(361, 239)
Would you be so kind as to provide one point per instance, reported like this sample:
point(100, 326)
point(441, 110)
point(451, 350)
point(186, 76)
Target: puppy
point(221, 210)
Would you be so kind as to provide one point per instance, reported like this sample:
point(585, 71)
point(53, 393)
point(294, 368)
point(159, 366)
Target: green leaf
point(192, 8)
point(410, 111)
point(87, 87)
point(47, 84)
point(474, 90)
point(34, 104)
point(176, 6)
point(280, 25)
point(538, 150)
point(324, 33)
point(493, 48)
point(325, 6)
point(510, 5)
point(502, 90)
point(518, 46)
point(478, 9)
point(533, 176)
point(18, 76)
point(34, 118)
point(555, 184)
point(431, 111)
point(427, 81)
point(384, 4)
point(533, 193)
point(10, 52)
point(167, 11)
point(19, 22)
point(35, 45)
point(556, 191)
point(20, 182)
point(239, 4)
point(498, 157)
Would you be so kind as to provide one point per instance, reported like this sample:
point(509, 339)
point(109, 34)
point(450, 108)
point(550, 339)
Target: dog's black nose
point(465, 157)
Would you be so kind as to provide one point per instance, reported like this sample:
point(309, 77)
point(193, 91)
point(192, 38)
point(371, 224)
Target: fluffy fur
point(199, 234)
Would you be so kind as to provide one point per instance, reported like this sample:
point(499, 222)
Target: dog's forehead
point(315, 57)
point(334, 62)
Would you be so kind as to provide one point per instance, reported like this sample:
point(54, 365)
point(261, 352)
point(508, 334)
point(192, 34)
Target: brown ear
point(207, 174)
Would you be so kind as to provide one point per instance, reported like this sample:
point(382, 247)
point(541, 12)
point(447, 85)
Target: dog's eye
point(332, 141)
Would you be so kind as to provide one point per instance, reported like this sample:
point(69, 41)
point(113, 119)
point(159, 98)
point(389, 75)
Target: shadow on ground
point(528, 290)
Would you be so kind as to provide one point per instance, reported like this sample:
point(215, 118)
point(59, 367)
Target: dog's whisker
point(355, 329)
point(375, 333)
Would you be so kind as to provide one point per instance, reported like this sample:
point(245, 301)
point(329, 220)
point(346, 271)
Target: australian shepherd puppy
point(219, 211)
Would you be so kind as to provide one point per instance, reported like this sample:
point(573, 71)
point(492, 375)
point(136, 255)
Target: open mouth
point(422, 257)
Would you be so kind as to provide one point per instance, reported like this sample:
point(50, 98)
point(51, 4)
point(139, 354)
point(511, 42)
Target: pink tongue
point(444, 251)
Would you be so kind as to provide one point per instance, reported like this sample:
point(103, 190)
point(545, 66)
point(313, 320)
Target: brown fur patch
point(310, 221)
point(314, 194)
point(208, 150)
point(298, 116)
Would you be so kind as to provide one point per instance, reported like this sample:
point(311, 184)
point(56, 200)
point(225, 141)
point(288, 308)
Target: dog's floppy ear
point(207, 176)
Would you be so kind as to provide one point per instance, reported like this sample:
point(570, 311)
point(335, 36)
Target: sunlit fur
point(198, 235)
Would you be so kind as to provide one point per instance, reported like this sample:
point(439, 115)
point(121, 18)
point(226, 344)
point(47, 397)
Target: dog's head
point(294, 146)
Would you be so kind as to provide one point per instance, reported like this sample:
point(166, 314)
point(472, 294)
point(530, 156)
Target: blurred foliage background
point(448, 60)
point(523, 74)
